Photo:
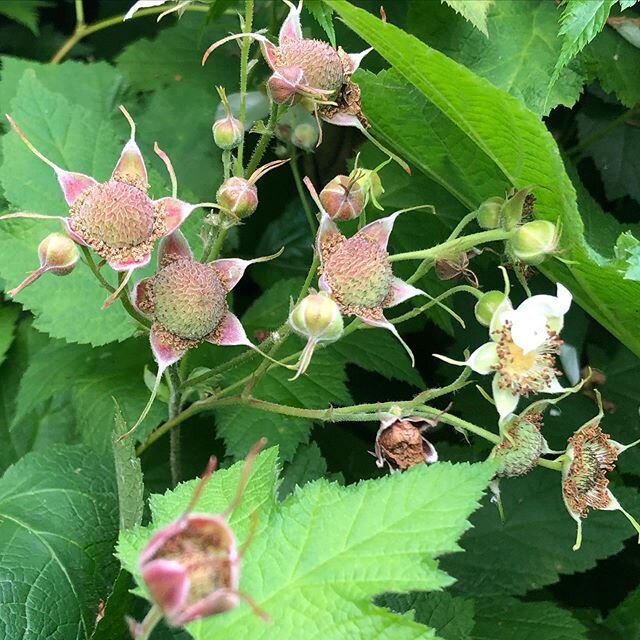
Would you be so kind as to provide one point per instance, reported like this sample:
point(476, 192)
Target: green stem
point(173, 379)
point(149, 623)
point(302, 193)
point(214, 244)
point(311, 274)
point(265, 138)
point(456, 245)
point(82, 31)
point(244, 66)
point(79, 14)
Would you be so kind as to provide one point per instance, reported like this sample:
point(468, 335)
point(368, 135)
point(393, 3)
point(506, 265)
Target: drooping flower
point(191, 567)
point(356, 272)
point(312, 73)
point(401, 445)
point(589, 456)
point(116, 218)
point(523, 349)
point(186, 302)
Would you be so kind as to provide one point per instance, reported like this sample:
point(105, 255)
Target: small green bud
point(490, 213)
point(305, 136)
point(534, 241)
point(487, 306)
point(318, 318)
point(227, 133)
point(369, 181)
point(238, 197)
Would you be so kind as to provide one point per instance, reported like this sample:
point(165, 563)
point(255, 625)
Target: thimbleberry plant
point(382, 310)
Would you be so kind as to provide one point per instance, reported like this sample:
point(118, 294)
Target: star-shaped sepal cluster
point(117, 219)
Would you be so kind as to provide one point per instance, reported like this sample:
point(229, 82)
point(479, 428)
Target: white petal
point(549, 306)
point(506, 402)
point(528, 329)
point(143, 4)
point(484, 358)
point(553, 386)
point(502, 313)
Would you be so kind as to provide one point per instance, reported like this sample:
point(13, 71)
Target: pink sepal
point(72, 234)
point(131, 163)
point(168, 585)
point(229, 332)
point(219, 601)
point(323, 284)
point(385, 324)
point(230, 270)
point(128, 265)
point(356, 58)
point(175, 211)
point(173, 247)
point(342, 119)
point(401, 291)
point(291, 28)
point(73, 184)
point(141, 294)
point(165, 354)
point(380, 230)
point(327, 227)
point(269, 53)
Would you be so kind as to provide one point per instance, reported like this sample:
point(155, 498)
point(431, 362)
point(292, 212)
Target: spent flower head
point(191, 567)
point(590, 454)
point(116, 218)
point(523, 348)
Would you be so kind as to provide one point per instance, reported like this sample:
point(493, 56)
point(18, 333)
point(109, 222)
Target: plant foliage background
point(478, 96)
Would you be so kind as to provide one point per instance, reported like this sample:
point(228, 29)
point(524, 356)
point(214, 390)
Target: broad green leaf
point(93, 377)
point(627, 253)
point(518, 55)
point(475, 11)
point(8, 317)
point(320, 556)
point(79, 140)
point(624, 619)
point(23, 11)
point(502, 143)
point(614, 62)
point(174, 56)
point(307, 465)
point(96, 86)
point(128, 475)
point(580, 22)
point(58, 525)
point(614, 152)
point(271, 309)
point(451, 617)
point(508, 618)
point(324, 16)
point(533, 547)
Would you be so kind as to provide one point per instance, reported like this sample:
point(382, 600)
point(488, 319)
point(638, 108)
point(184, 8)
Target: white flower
point(523, 349)
point(147, 4)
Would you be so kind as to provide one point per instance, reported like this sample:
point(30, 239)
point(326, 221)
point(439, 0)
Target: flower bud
point(487, 305)
point(238, 197)
point(317, 317)
point(371, 184)
point(305, 136)
point(534, 241)
point(490, 213)
point(519, 205)
point(343, 198)
point(58, 254)
point(227, 133)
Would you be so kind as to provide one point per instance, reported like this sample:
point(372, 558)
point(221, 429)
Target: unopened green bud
point(534, 241)
point(518, 206)
point(369, 181)
point(490, 213)
point(228, 133)
point(305, 136)
point(317, 317)
point(238, 197)
point(487, 306)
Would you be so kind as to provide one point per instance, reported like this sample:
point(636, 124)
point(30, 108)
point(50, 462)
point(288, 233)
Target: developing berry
point(534, 241)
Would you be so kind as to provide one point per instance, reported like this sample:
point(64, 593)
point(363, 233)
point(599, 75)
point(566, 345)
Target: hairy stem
point(173, 378)
point(302, 193)
point(265, 138)
point(244, 65)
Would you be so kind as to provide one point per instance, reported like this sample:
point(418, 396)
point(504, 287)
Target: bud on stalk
point(228, 132)
point(487, 305)
point(534, 241)
point(343, 198)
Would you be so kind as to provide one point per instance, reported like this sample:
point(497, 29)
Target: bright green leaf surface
point(518, 55)
point(497, 141)
point(58, 524)
point(475, 11)
point(8, 317)
point(320, 557)
point(324, 15)
point(80, 140)
point(23, 11)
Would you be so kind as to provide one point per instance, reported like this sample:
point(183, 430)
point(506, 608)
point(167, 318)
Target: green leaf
point(580, 22)
point(78, 139)
point(23, 11)
point(614, 152)
point(627, 253)
point(475, 11)
point(128, 475)
point(8, 317)
point(58, 524)
point(320, 556)
point(508, 618)
point(484, 140)
point(624, 619)
point(94, 377)
point(450, 616)
point(614, 62)
point(174, 58)
point(324, 16)
point(518, 56)
point(307, 465)
point(536, 539)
